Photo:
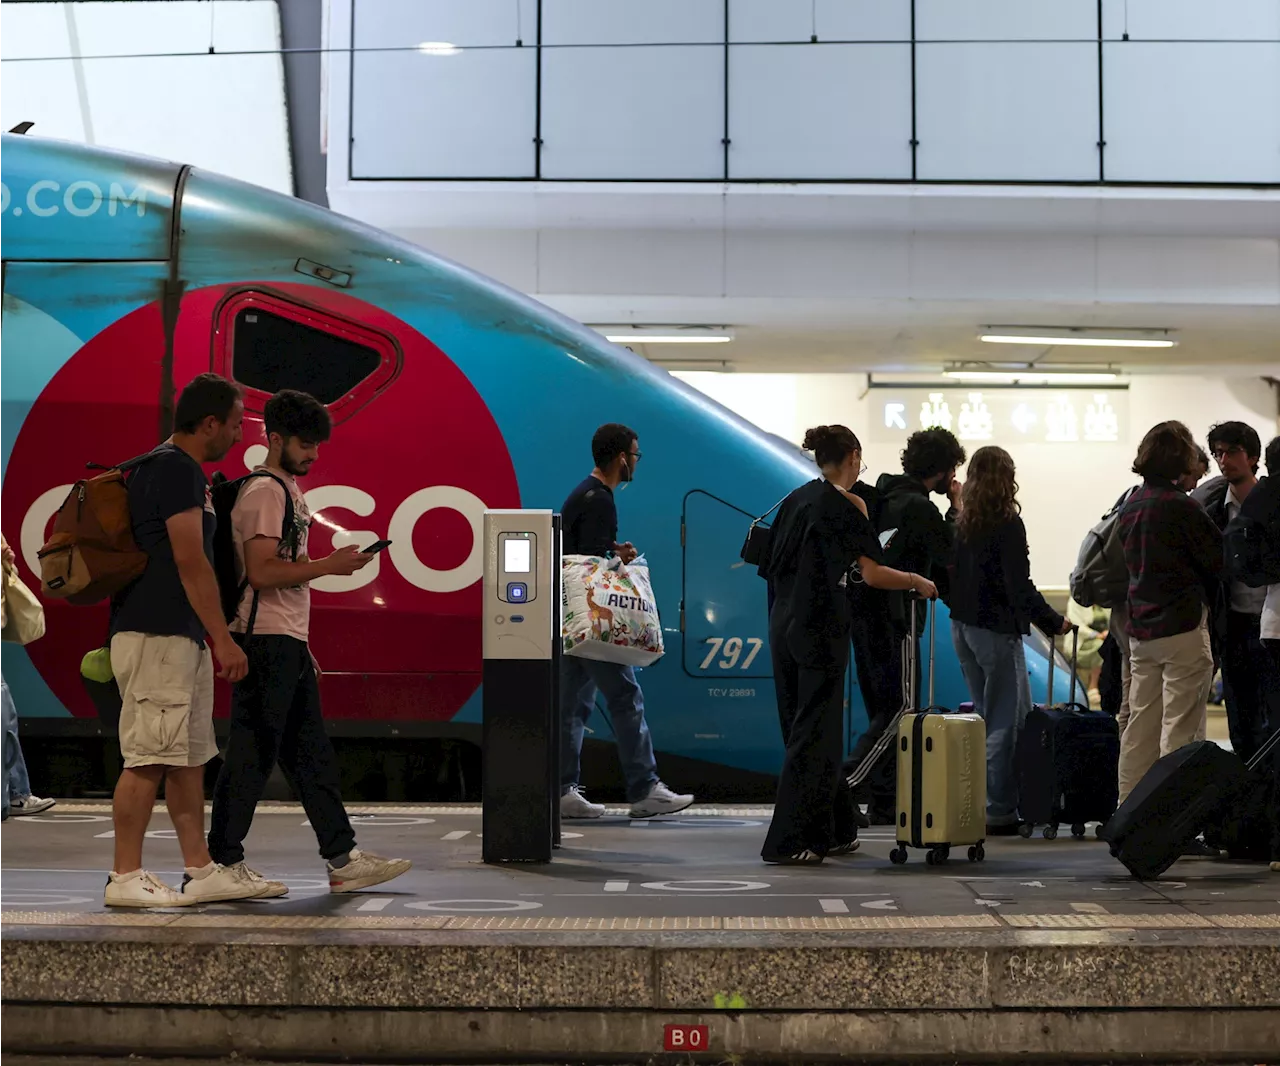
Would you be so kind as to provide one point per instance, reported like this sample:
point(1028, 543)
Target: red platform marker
point(685, 1038)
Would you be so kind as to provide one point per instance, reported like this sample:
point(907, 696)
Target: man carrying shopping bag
point(589, 523)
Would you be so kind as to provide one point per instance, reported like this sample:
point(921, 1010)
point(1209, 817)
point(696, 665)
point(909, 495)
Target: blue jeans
point(580, 680)
point(995, 669)
point(17, 786)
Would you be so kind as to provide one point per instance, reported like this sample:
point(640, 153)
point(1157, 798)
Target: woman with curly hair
point(993, 605)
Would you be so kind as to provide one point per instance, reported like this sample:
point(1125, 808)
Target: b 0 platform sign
point(685, 1038)
point(1001, 416)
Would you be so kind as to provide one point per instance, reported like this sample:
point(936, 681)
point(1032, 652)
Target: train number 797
point(730, 652)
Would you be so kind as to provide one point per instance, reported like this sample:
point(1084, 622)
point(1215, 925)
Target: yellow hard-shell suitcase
point(942, 779)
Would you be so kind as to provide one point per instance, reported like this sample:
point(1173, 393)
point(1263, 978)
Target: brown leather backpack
point(91, 553)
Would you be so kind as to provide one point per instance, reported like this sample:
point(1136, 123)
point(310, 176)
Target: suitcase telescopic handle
point(932, 622)
point(1075, 661)
point(913, 692)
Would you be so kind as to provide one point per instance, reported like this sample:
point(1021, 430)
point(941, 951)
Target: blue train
point(125, 276)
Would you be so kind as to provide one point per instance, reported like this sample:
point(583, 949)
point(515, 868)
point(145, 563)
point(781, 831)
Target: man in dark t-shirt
point(589, 526)
point(158, 655)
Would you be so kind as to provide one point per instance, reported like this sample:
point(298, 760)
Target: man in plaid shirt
point(1174, 554)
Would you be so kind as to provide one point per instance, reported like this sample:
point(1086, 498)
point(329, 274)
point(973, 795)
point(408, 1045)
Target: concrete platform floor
point(639, 935)
point(702, 866)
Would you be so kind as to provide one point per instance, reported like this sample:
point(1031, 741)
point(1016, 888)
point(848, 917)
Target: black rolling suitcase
point(1184, 794)
point(1068, 759)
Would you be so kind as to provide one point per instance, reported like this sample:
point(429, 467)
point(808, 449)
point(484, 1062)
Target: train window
point(268, 342)
point(272, 353)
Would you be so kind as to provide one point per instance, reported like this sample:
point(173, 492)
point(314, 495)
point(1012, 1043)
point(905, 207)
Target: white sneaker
point(661, 800)
point(270, 889)
point(573, 804)
point(30, 805)
point(364, 870)
point(216, 882)
point(141, 889)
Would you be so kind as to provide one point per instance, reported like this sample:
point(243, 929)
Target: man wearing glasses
point(589, 526)
point(1251, 692)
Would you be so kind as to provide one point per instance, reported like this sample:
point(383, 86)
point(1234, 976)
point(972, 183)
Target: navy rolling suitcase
point(1068, 760)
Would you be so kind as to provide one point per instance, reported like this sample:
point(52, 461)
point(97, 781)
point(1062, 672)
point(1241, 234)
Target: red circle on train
point(383, 646)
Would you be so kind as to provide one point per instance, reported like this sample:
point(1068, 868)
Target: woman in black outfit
point(993, 604)
point(820, 534)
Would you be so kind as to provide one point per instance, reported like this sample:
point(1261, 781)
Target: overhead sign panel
point(1004, 416)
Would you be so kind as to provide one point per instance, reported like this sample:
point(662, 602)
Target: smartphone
point(376, 546)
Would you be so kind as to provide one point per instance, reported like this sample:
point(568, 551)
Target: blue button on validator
point(517, 592)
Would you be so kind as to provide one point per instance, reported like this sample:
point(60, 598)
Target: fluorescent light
point(665, 334)
point(1079, 339)
point(665, 338)
point(438, 48)
point(995, 377)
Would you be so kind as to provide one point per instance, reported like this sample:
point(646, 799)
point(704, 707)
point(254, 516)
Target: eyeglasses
point(635, 455)
point(1222, 453)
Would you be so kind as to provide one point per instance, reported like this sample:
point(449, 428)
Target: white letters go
point(348, 498)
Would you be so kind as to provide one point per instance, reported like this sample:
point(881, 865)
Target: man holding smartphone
point(275, 710)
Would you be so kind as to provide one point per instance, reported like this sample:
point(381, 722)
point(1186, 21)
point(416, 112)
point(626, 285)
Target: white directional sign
point(1003, 416)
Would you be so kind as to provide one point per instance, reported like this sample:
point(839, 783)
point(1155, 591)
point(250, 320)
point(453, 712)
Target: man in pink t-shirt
point(275, 711)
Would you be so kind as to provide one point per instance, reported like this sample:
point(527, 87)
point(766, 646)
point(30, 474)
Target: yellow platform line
point(176, 919)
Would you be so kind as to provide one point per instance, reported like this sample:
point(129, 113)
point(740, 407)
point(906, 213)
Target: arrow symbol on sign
point(880, 905)
point(893, 415)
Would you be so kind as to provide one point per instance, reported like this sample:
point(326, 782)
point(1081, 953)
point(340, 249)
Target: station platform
point(1048, 950)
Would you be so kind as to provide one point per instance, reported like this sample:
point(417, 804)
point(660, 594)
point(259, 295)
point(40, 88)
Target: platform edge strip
point(494, 923)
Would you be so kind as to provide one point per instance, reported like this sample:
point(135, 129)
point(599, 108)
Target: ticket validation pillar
point(521, 679)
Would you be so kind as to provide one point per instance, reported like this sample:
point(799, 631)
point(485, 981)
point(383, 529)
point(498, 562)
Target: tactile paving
point(153, 918)
point(1106, 921)
point(499, 924)
point(306, 921)
point(887, 921)
point(1245, 921)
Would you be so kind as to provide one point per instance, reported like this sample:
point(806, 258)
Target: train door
point(725, 631)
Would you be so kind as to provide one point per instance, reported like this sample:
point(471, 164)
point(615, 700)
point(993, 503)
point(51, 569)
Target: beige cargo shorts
point(166, 688)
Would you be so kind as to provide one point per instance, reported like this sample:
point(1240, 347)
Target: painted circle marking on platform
point(45, 899)
point(162, 834)
point(378, 819)
point(567, 836)
point(710, 886)
point(67, 818)
point(476, 906)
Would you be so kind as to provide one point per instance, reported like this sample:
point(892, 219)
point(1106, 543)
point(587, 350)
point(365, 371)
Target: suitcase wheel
point(1025, 830)
point(1050, 832)
point(977, 853)
point(898, 856)
point(1077, 830)
point(936, 856)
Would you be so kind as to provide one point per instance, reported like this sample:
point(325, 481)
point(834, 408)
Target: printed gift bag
point(608, 611)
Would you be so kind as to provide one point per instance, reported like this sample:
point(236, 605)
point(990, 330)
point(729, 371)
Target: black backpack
point(1252, 539)
point(231, 587)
